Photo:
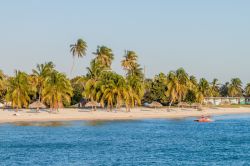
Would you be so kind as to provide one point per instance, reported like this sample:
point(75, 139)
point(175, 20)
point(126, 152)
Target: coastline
point(135, 114)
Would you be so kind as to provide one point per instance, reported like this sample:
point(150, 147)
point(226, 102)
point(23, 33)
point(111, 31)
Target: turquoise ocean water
point(138, 142)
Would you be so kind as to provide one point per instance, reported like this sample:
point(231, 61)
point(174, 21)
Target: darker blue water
point(145, 142)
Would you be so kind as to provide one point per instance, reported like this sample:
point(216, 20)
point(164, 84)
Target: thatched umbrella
point(155, 104)
point(37, 105)
point(92, 104)
point(183, 104)
point(196, 105)
point(1, 105)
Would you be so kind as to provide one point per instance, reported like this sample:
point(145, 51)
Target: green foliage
point(39, 76)
point(79, 48)
point(177, 85)
point(104, 57)
point(215, 90)
point(18, 90)
point(247, 90)
point(113, 87)
point(131, 66)
point(235, 88)
point(204, 88)
point(94, 70)
point(224, 90)
point(77, 84)
point(3, 85)
point(191, 97)
point(103, 85)
point(155, 89)
point(57, 90)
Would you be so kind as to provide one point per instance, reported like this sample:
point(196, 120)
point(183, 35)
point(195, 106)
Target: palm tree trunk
point(72, 67)
point(170, 104)
point(40, 93)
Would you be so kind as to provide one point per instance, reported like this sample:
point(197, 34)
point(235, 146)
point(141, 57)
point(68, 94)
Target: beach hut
point(155, 104)
point(92, 104)
point(37, 105)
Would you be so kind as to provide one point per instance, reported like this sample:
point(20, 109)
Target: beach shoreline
point(135, 114)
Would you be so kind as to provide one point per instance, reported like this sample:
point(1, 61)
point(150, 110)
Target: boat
point(203, 119)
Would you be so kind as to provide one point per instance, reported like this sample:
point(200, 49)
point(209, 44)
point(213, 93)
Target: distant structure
point(226, 100)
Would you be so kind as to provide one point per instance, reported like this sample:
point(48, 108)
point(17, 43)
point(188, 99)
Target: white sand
point(137, 113)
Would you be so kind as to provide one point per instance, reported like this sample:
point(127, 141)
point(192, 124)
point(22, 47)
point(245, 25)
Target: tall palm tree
point(247, 89)
point(215, 90)
point(184, 83)
point(39, 76)
point(136, 90)
point(18, 90)
point(57, 89)
point(78, 50)
point(130, 60)
point(173, 87)
point(235, 88)
point(204, 88)
point(104, 56)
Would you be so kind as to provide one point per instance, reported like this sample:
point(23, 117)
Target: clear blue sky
point(209, 38)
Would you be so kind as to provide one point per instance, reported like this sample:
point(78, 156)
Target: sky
point(208, 38)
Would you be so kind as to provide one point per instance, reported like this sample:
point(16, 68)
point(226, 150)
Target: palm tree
point(184, 83)
point(224, 90)
point(112, 88)
point(178, 84)
point(204, 88)
point(173, 87)
point(104, 56)
point(57, 89)
point(130, 60)
point(91, 90)
point(39, 75)
point(18, 90)
point(94, 70)
point(78, 49)
point(247, 89)
point(136, 90)
point(2, 76)
point(215, 90)
point(201, 90)
point(193, 82)
point(3, 85)
point(235, 88)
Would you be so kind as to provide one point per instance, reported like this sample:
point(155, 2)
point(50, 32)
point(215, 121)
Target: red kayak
point(203, 119)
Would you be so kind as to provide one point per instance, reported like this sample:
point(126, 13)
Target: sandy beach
point(137, 113)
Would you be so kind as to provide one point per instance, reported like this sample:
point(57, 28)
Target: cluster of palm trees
point(44, 84)
point(102, 85)
point(110, 89)
point(179, 86)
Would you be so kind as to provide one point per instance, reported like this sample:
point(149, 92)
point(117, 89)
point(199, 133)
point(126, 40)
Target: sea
point(226, 141)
